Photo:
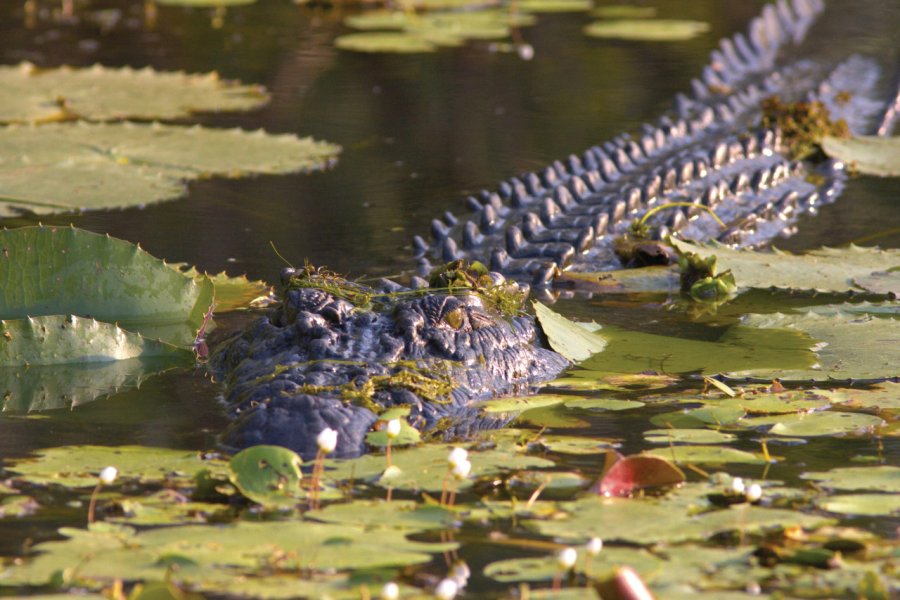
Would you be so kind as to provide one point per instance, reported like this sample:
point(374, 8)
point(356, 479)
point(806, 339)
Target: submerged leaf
point(871, 155)
point(567, 337)
point(30, 94)
point(647, 30)
point(82, 166)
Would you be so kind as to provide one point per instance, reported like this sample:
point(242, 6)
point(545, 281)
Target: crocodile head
point(338, 355)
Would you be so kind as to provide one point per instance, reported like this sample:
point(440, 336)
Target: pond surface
point(419, 133)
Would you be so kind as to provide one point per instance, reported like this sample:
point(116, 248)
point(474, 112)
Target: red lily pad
point(637, 472)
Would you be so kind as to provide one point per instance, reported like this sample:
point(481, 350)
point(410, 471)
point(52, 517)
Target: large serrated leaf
point(838, 270)
point(84, 166)
point(30, 94)
point(67, 271)
point(850, 345)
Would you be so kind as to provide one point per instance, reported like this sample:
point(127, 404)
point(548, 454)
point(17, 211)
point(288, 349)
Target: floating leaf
point(233, 293)
point(166, 507)
point(816, 424)
point(884, 478)
point(850, 346)
point(872, 505)
point(553, 6)
point(553, 416)
point(521, 403)
point(648, 280)
point(79, 466)
point(404, 515)
point(624, 11)
point(408, 435)
point(647, 30)
point(790, 401)
point(384, 41)
point(546, 568)
point(567, 337)
point(570, 444)
point(83, 166)
point(884, 397)
point(706, 455)
point(687, 436)
point(871, 155)
point(268, 475)
point(633, 473)
point(602, 404)
point(30, 94)
point(547, 481)
point(824, 270)
point(59, 340)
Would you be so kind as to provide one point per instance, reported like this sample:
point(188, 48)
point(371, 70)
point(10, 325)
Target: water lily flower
point(327, 440)
point(754, 493)
point(594, 546)
point(462, 470)
point(390, 591)
point(393, 428)
point(446, 589)
point(457, 456)
point(566, 558)
point(108, 475)
point(737, 486)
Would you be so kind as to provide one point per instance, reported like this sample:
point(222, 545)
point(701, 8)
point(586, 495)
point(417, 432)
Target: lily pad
point(79, 466)
point(602, 404)
point(546, 568)
point(824, 423)
point(84, 166)
point(570, 444)
point(871, 155)
point(624, 11)
point(884, 397)
point(687, 436)
point(384, 41)
point(823, 270)
point(31, 94)
point(521, 403)
point(268, 475)
point(567, 337)
point(632, 473)
point(554, 6)
point(403, 515)
point(884, 478)
point(408, 435)
point(872, 505)
point(850, 346)
point(790, 401)
point(648, 30)
point(706, 455)
point(166, 507)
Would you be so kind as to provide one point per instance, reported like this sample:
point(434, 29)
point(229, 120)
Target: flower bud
point(566, 558)
point(457, 455)
point(462, 470)
point(393, 428)
point(446, 589)
point(594, 546)
point(390, 591)
point(108, 475)
point(327, 440)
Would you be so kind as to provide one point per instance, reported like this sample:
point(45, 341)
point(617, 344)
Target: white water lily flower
point(108, 475)
point(754, 492)
point(446, 589)
point(737, 485)
point(457, 455)
point(393, 428)
point(594, 546)
point(566, 558)
point(390, 591)
point(327, 440)
point(462, 470)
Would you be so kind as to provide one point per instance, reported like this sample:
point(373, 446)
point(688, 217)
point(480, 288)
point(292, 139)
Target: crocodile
point(338, 354)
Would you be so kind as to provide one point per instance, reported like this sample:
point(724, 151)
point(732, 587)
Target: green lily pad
point(850, 346)
point(83, 166)
point(648, 30)
point(404, 515)
point(624, 11)
point(554, 6)
point(582, 384)
point(884, 478)
point(545, 568)
point(706, 455)
point(426, 468)
point(384, 41)
point(872, 505)
point(823, 423)
point(823, 270)
point(871, 155)
point(17, 506)
point(570, 444)
point(567, 337)
point(687, 436)
point(79, 466)
point(790, 401)
point(521, 403)
point(602, 404)
point(548, 481)
point(553, 416)
point(268, 475)
point(408, 435)
point(30, 94)
point(165, 507)
point(66, 386)
point(884, 397)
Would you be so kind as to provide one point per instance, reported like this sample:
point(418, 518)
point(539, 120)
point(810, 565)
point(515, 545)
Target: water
point(418, 132)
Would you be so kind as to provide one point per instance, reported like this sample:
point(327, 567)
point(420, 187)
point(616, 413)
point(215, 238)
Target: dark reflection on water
point(419, 133)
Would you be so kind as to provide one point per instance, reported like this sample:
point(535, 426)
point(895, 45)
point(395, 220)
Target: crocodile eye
point(454, 318)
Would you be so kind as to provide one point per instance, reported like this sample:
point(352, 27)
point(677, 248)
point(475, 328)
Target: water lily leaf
point(30, 94)
point(408, 435)
point(405, 515)
point(233, 293)
point(384, 41)
point(79, 466)
point(166, 507)
point(583, 384)
point(545, 568)
point(651, 521)
point(602, 404)
point(717, 414)
point(521, 403)
point(547, 481)
point(870, 154)
point(824, 270)
point(884, 397)
point(706, 455)
point(570, 444)
point(268, 475)
point(85, 166)
point(426, 468)
point(647, 30)
point(553, 416)
point(554, 6)
point(687, 436)
point(817, 424)
point(624, 11)
point(53, 387)
point(883, 478)
point(790, 401)
point(850, 346)
point(567, 337)
point(872, 505)
point(646, 280)
point(632, 473)
point(17, 506)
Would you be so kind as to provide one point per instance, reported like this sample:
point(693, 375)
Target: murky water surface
point(418, 132)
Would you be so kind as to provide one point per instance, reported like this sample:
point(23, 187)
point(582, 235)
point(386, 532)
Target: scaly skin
point(306, 366)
